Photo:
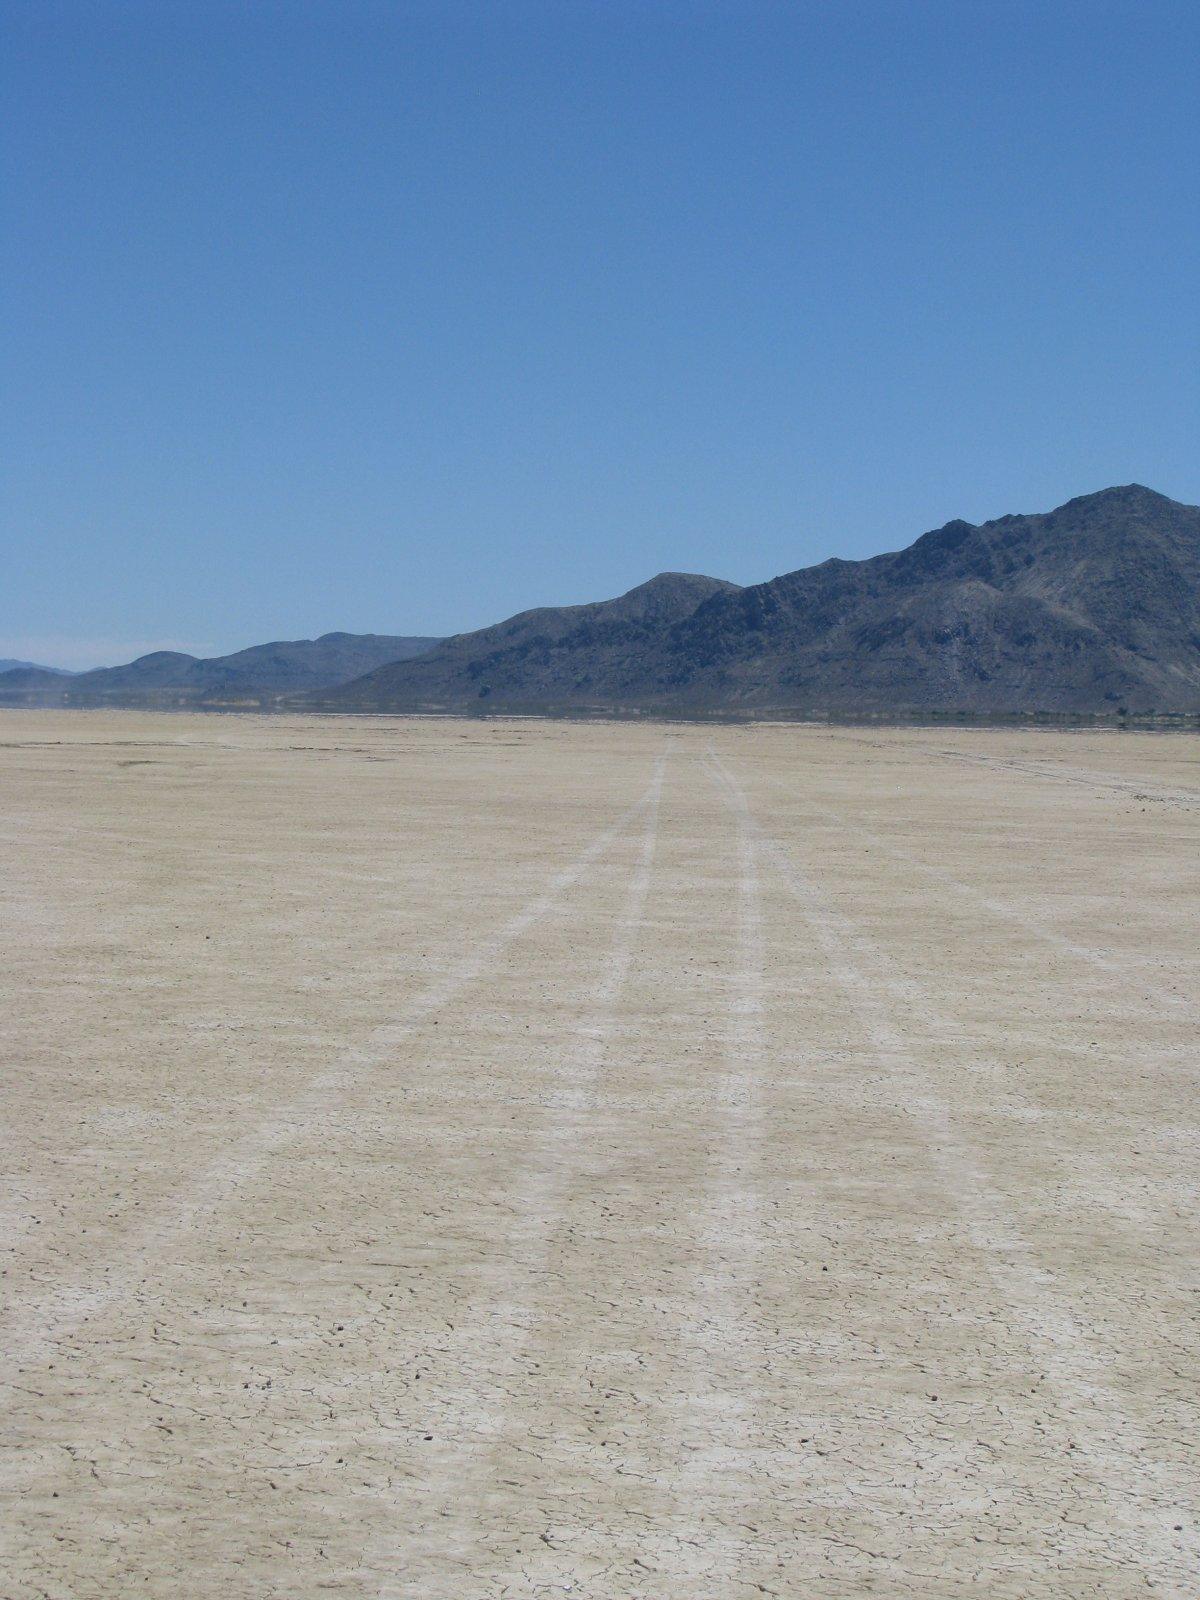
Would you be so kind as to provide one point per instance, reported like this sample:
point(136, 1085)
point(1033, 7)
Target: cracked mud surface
point(456, 1161)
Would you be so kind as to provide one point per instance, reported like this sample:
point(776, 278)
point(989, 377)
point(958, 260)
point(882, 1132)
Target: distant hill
point(7, 664)
point(256, 676)
point(1091, 608)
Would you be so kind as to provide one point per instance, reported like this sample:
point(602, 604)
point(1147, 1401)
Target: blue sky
point(402, 317)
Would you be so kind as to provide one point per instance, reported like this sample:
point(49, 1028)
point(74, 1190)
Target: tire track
point(999, 909)
point(64, 1306)
point(1083, 777)
point(723, 1353)
point(1148, 1493)
point(491, 1339)
point(732, 1234)
point(1080, 776)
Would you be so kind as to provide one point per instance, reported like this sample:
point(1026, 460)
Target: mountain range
point(258, 676)
point(1090, 609)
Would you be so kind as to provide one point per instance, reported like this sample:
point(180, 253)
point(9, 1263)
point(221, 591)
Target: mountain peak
point(667, 596)
point(933, 547)
point(1121, 499)
point(679, 580)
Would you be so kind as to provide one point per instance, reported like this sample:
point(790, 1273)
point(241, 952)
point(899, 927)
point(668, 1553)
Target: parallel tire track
point(1151, 1495)
point(63, 1306)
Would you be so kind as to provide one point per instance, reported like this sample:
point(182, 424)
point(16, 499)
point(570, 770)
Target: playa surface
point(472, 1159)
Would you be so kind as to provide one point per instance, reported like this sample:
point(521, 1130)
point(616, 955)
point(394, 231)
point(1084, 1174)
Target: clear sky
point(403, 317)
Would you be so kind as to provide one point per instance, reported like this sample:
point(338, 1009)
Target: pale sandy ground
point(456, 1160)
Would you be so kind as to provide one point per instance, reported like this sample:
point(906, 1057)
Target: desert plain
point(465, 1159)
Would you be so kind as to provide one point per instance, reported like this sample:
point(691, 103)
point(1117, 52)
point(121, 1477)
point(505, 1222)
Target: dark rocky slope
point(556, 655)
